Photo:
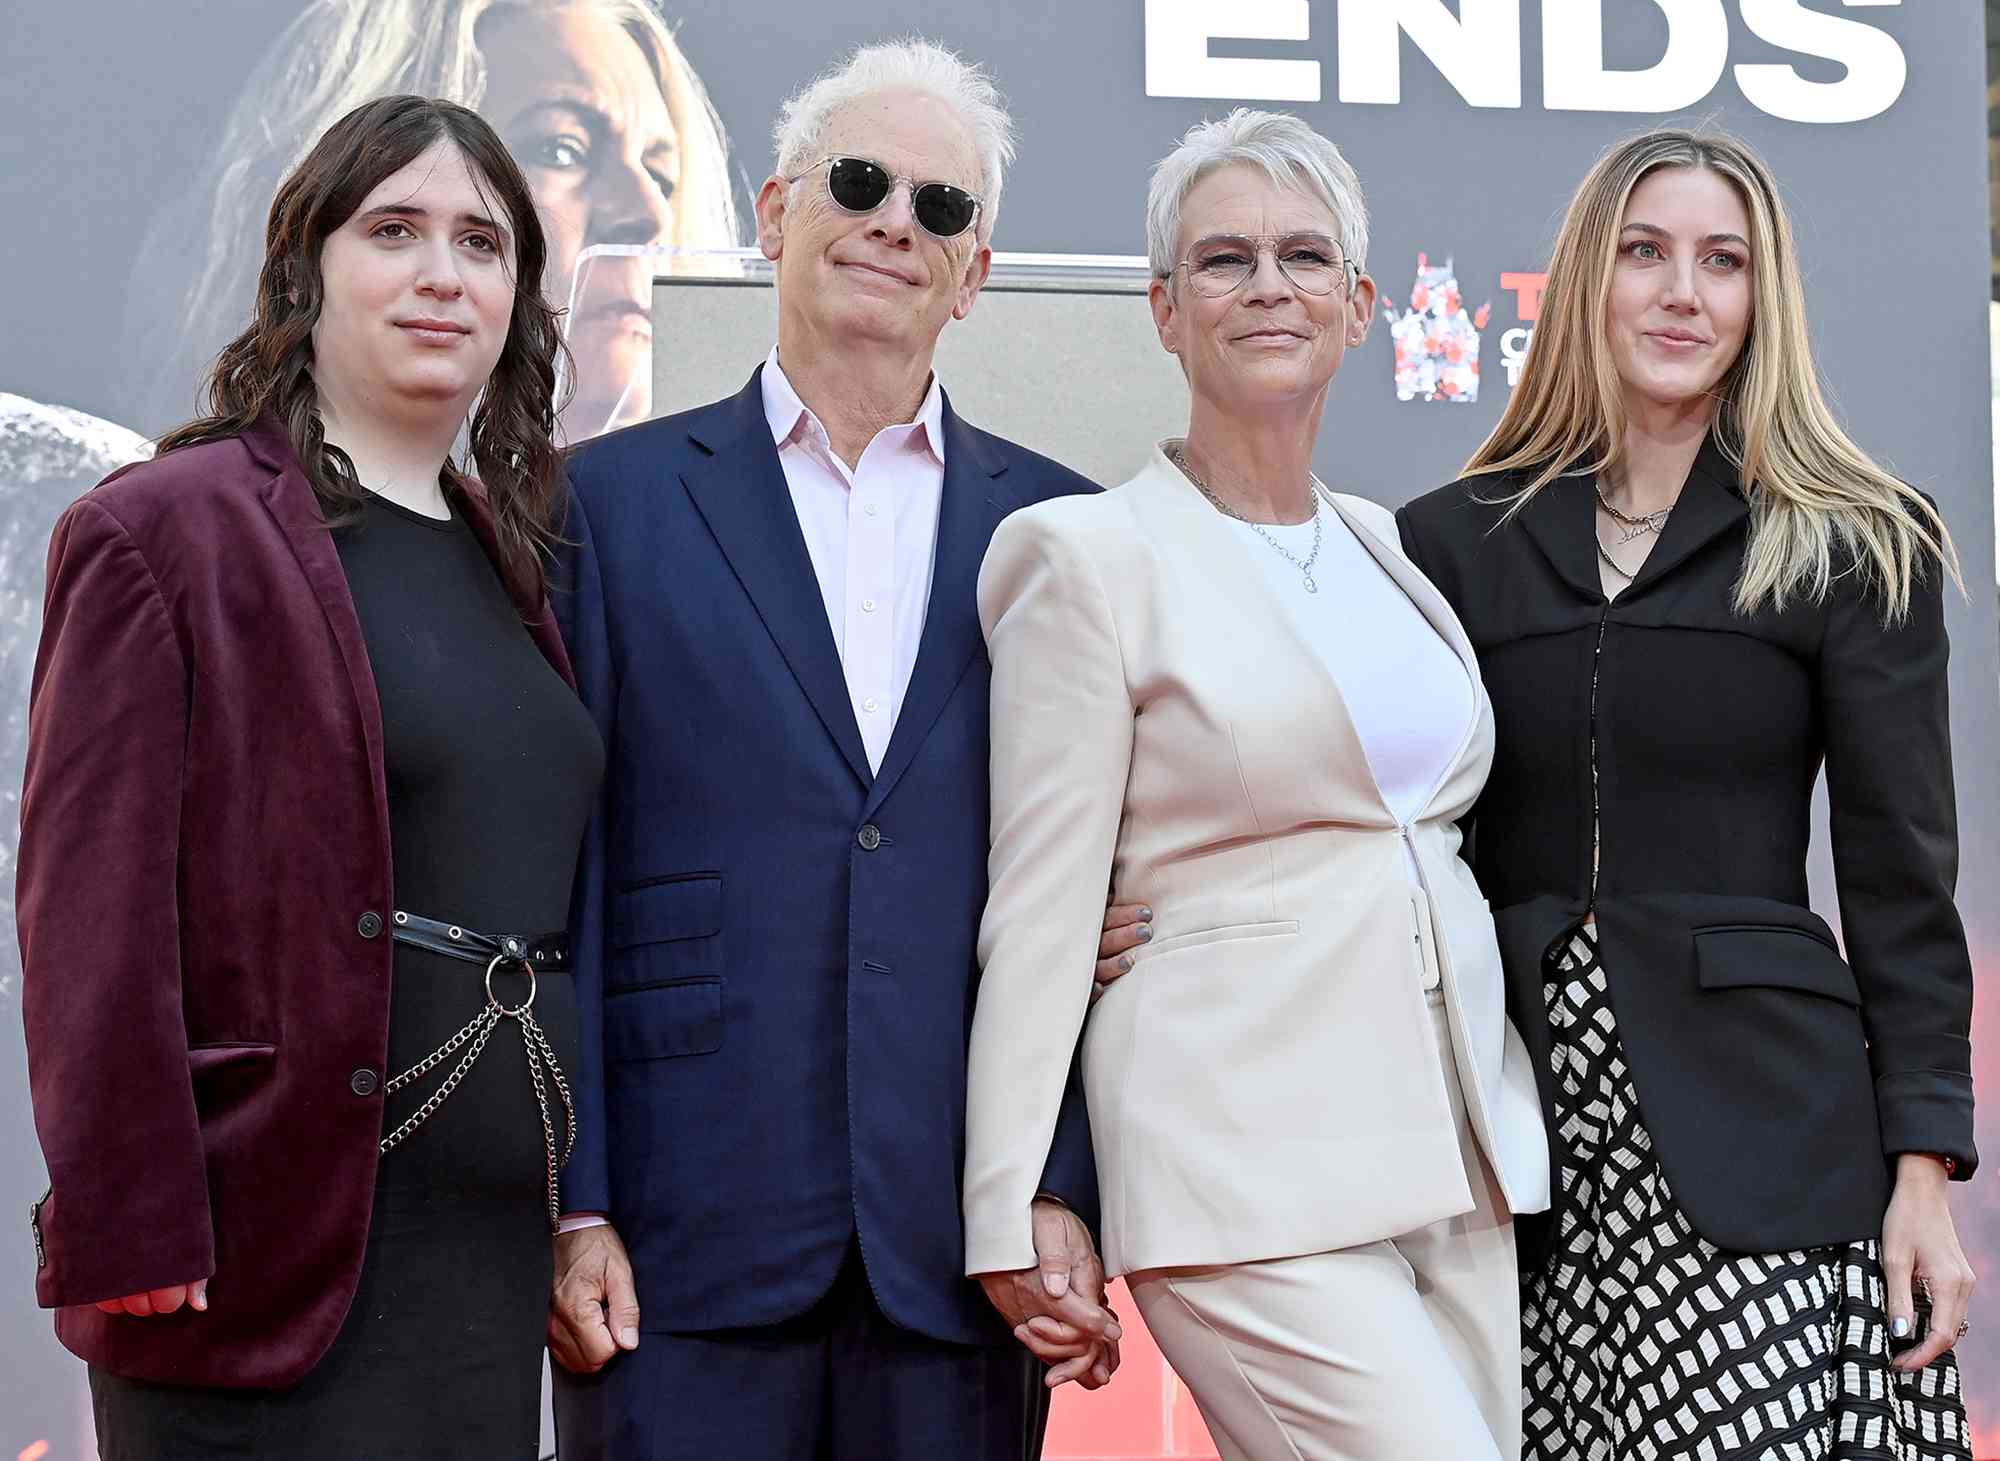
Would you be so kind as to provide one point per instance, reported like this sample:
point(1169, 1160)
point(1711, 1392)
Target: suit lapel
point(294, 506)
point(1558, 520)
point(1710, 504)
point(1418, 589)
point(739, 489)
point(1561, 520)
point(1434, 607)
point(971, 506)
point(1217, 556)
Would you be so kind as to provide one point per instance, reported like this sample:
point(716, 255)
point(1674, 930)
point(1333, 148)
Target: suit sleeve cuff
point(1928, 1111)
point(1005, 1248)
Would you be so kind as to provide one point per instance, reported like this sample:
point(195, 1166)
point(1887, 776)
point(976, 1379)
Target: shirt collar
point(789, 416)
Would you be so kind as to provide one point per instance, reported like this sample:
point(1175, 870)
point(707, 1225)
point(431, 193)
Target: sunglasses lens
point(943, 210)
point(855, 185)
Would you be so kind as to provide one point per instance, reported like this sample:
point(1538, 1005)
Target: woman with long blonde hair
point(595, 99)
point(1689, 589)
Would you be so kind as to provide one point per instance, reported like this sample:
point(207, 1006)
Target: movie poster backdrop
point(140, 144)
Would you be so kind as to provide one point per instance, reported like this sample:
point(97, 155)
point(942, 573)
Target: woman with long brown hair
point(1689, 590)
point(306, 782)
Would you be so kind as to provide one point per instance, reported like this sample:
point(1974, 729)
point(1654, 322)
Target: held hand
point(1056, 1308)
point(593, 1308)
point(1920, 1243)
point(1126, 926)
point(160, 1301)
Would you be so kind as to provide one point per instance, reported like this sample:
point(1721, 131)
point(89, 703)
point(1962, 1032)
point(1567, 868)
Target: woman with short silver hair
point(1223, 689)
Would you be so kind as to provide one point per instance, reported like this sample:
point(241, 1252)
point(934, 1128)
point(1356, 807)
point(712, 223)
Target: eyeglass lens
point(1312, 261)
point(860, 186)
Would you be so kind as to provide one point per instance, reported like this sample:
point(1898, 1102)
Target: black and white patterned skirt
point(1642, 1342)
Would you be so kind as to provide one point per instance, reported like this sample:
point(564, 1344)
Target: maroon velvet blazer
point(204, 884)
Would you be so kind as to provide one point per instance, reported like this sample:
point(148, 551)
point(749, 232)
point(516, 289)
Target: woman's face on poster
point(578, 103)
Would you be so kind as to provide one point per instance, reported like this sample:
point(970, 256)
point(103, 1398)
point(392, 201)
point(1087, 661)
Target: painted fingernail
point(1125, 962)
point(1145, 932)
point(1900, 1328)
point(1146, 914)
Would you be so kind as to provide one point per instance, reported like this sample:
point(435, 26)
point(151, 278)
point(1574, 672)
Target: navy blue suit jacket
point(775, 949)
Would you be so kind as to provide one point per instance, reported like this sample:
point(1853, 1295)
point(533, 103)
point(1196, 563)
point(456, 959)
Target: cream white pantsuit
point(1405, 1348)
point(1267, 1083)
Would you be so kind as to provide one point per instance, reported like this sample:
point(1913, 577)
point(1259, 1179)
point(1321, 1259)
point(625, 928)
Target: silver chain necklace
point(1633, 525)
point(1305, 566)
point(1628, 526)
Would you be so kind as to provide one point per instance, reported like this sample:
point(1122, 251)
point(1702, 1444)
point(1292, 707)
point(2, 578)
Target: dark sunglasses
point(857, 185)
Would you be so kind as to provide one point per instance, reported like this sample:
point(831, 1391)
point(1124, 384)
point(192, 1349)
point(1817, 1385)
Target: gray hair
point(912, 64)
point(1293, 154)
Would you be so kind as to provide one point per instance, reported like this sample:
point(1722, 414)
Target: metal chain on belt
point(540, 1052)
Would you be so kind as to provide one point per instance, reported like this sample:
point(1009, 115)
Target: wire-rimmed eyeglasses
point(858, 185)
point(1218, 265)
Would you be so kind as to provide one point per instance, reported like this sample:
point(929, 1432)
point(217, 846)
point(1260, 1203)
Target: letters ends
point(1478, 52)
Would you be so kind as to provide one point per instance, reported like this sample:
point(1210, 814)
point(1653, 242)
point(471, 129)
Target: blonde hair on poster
point(334, 56)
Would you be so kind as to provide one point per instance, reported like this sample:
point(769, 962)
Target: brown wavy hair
point(511, 446)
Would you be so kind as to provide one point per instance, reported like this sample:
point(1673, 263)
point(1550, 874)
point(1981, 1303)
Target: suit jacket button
point(362, 1082)
point(870, 837)
point(369, 924)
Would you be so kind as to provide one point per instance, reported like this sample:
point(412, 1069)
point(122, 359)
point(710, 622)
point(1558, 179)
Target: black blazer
point(1776, 1079)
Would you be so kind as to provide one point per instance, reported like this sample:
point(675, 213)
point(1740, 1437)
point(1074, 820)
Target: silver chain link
point(540, 1052)
point(1304, 566)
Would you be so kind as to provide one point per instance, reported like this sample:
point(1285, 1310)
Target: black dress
point(493, 765)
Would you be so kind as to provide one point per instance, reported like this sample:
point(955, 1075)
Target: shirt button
point(872, 509)
point(362, 1082)
point(871, 705)
point(867, 606)
point(870, 837)
point(368, 924)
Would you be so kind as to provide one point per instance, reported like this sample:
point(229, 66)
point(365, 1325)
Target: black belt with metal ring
point(545, 953)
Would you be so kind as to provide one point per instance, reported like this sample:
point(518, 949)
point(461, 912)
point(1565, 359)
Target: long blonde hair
point(336, 55)
point(1814, 495)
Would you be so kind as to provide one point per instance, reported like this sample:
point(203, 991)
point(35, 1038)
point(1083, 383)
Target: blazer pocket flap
point(669, 909)
point(1738, 956)
point(227, 1055)
point(1195, 938)
point(661, 1021)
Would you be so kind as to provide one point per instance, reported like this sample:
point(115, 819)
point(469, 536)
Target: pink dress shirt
point(872, 537)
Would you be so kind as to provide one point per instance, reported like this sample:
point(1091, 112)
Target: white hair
point(909, 64)
point(1290, 152)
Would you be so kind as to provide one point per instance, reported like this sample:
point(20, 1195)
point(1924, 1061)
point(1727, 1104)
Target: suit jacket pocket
point(662, 1021)
point(665, 930)
point(1195, 938)
point(1773, 956)
point(232, 1082)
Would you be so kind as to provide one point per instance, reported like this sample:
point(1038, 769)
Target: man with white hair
point(770, 607)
